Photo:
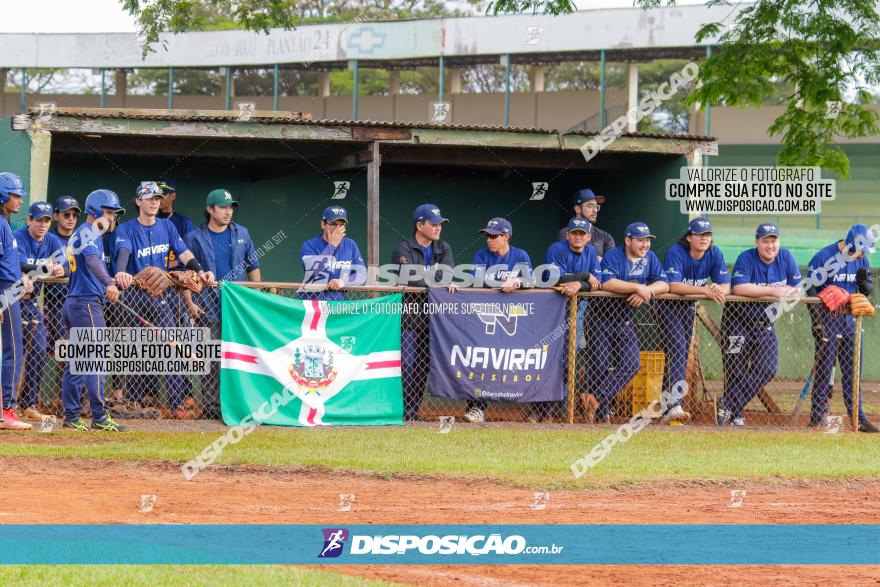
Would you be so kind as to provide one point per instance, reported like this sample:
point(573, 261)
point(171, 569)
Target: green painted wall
point(469, 198)
point(15, 157)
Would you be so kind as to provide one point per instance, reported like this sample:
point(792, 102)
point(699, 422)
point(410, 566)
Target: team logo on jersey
point(334, 540)
point(312, 368)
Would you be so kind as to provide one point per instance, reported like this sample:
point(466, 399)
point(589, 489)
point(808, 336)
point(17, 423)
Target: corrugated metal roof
point(304, 118)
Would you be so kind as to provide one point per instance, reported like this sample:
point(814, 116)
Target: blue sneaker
point(109, 425)
point(79, 425)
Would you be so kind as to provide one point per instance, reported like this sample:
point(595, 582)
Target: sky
point(107, 16)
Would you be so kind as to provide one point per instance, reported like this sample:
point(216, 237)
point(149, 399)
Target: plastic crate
point(647, 385)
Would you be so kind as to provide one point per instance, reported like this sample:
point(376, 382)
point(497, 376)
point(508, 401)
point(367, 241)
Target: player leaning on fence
point(634, 270)
point(65, 213)
point(331, 260)
point(834, 330)
point(689, 265)
point(224, 248)
point(751, 356)
point(423, 250)
point(503, 266)
point(90, 285)
point(36, 247)
point(146, 241)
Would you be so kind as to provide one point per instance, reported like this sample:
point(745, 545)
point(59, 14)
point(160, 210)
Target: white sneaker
point(676, 414)
point(475, 415)
point(739, 421)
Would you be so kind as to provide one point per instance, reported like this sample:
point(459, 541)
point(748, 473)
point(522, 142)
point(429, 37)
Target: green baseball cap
point(220, 197)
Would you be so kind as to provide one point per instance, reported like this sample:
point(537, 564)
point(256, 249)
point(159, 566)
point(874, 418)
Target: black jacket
point(408, 252)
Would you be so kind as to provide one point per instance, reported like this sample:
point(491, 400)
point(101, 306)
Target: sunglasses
point(592, 206)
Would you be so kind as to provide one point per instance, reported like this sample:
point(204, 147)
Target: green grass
point(515, 456)
point(161, 575)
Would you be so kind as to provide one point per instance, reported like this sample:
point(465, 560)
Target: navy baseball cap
point(585, 195)
point(580, 224)
point(429, 213)
point(167, 186)
point(498, 226)
point(333, 213)
point(766, 229)
point(867, 239)
point(40, 210)
point(638, 230)
point(65, 203)
point(699, 225)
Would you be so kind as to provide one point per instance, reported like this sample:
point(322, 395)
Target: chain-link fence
point(743, 362)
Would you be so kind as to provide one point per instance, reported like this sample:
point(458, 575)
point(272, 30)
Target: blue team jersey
point(680, 267)
point(82, 282)
point(515, 263)
point(33, 252)
point(64, 240)
point(10, 263)
point(845, 277)
point(323, 262)
point(749, 268)
point(616, 265)
point(560, 255)
point(150, 246)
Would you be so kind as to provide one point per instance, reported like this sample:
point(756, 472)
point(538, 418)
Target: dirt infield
point(43, 490)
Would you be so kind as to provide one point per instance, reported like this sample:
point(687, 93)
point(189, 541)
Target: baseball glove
point(152, 280)
point(834, 298)
point(859, 305)
point(187, 279)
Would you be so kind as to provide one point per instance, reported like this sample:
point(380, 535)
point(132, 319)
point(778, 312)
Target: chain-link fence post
point(857, 376)
point(572, 343)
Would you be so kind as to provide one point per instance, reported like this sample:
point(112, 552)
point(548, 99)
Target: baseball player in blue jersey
point(37, 247)
point(224, 248)
point(90, 285)
point(634, 270)
point(147, 241)
point(65, 214)
point(578, 266)
point(689, 265)
point(166, 210)
point(835, 331)
point(331, 260)
point(751, 357)
point(11, 288)
point(499, 265)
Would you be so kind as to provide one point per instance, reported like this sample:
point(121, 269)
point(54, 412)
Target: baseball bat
point(798, 406)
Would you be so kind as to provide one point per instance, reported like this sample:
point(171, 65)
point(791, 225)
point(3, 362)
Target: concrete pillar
point(454, 77)
point(632, 70)
point(3, 92)
point(121, 84)
point(536, 77)
point(41, 149)
point(394, 82)
point(323, 83)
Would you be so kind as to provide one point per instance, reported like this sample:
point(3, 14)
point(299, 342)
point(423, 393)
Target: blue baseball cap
point(40, 210)
point(766, 229)
point(867, 239)
point(332, 213)
point(699, 225)
point(65, 203)
point(428, 213)
point(580, 224)
point(585, 195)
point(638, 230)
point(498, 226)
